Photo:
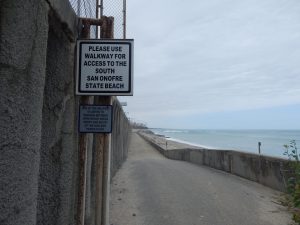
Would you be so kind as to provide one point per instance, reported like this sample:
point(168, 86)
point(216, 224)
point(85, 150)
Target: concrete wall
point(265, 170)
point(23, 44)
point(58, 153)
point(38, 116)
point(120, 137)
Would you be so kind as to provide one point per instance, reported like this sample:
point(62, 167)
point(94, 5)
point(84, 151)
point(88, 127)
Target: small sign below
point(104, 67)
point(95, 119)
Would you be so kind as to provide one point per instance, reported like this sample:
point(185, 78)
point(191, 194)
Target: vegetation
point(293, 182)
point(136, 125)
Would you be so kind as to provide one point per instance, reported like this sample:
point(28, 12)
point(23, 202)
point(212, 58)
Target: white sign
point(104, 67)
point(95, 119)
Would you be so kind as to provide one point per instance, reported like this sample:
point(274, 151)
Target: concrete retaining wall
point(262, 169)
point(38, 116)
point(120, 137)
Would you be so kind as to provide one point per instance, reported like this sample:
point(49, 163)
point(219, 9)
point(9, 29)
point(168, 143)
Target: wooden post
point(83, 148)
point(102, 143)
point(107, 31)
point(102, 150)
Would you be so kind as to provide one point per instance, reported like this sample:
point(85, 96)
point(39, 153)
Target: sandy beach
point(165, 142)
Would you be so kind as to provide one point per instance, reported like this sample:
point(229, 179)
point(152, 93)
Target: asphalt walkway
point(150, 189)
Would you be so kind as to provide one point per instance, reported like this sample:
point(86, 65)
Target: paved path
point(152, 190)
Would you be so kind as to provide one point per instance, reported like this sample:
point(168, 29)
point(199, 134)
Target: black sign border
point(86, 41)
point(111, 119)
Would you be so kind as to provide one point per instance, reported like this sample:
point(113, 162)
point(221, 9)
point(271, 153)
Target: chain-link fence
point(85, 8)
point(114, 8)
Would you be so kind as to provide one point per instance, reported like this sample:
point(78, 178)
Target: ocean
point(272, 141)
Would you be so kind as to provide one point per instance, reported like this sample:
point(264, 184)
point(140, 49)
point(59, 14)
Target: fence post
point(107, 29)
point(83, 147)
point(102, 143)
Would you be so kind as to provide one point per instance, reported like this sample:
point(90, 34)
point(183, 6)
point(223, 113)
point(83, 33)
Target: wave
point(191, 143)
point(176, 131)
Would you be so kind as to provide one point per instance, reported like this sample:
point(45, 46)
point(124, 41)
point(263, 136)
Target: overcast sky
point(215, 64)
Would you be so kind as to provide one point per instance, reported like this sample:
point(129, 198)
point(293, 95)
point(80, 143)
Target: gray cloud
point(194, 57)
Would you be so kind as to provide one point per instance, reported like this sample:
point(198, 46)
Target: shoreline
point(272, 141)
point(190, 143)
point(179, 141)
point(170, 143)
point(167, 143)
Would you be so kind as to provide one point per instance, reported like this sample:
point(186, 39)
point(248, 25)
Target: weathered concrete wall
point(23, 50)
point(262, 169)
point(38, 117)
point(57, 181)
point(120, 137)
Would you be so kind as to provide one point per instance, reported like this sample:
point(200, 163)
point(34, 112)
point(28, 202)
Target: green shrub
point(293, 182)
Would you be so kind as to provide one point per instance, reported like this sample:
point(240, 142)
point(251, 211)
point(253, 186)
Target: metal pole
point(101, 8)
point(124, 19)
point(78, 7)
point(97, 17)
point(99, 5)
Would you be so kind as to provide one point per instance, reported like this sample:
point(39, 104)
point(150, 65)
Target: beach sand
point(165, 142)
